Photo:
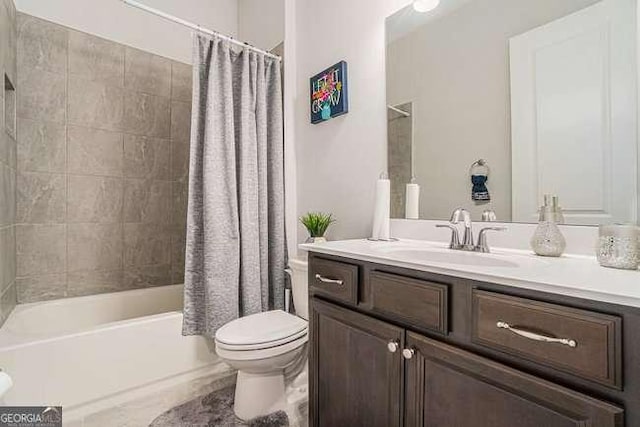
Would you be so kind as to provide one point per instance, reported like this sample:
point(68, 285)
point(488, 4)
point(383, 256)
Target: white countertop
point(571, 275)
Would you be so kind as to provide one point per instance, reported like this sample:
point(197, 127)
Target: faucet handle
point(455, 237)
point(482, 238)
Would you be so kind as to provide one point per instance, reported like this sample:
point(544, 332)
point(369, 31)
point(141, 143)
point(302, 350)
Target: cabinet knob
point(393, 346)
point(408, 353)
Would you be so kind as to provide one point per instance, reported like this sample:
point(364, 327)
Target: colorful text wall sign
point(329, 93)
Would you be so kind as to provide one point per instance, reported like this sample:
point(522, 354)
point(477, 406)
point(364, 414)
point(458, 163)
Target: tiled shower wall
point(103, 137)
point(7, 158)
point(400, 155)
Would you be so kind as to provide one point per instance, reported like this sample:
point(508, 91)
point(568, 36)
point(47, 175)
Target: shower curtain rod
point(196, 27)
point(399, 111)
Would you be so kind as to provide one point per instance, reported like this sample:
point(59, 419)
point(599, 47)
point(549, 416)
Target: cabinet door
point(449, 387)
point(356, 369)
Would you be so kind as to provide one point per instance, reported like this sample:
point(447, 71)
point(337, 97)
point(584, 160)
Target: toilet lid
point(262, 330)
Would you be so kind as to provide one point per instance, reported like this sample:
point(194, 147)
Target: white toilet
point(261, 346)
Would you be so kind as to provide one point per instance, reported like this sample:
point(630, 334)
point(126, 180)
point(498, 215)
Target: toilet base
point(259, 394)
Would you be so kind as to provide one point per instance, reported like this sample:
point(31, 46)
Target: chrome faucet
point(463, 215)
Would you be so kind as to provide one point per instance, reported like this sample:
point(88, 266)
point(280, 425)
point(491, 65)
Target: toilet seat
point(261, 331)
point(265, 353)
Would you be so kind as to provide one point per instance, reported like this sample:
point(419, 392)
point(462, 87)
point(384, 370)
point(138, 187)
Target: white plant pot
point(316, 240)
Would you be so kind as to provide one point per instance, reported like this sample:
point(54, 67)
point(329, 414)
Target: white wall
point(340, 160)
point(261, 22)
point(113, 20)
point(290, 96)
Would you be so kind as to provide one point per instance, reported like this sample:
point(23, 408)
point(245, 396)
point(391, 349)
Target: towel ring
point(480, 166)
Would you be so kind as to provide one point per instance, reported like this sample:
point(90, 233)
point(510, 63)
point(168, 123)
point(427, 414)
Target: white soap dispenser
point(548, 239)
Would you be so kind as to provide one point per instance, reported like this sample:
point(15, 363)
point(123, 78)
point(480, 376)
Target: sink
point(451, 257)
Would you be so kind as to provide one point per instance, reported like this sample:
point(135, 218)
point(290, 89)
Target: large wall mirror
point(494, 103)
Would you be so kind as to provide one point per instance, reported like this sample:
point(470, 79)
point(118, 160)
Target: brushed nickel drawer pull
point(327, 280)
point(537, 337)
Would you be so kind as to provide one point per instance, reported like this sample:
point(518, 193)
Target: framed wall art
point(329, 95)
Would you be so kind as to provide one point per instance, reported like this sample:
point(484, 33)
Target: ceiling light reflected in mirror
point(424, 6)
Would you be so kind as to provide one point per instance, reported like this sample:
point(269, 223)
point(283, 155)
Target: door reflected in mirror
point(494, 103)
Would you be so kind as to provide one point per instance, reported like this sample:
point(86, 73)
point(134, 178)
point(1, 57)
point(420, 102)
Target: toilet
point(261, 346)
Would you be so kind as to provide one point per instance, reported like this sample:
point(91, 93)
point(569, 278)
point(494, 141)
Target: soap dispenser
point(548, 239)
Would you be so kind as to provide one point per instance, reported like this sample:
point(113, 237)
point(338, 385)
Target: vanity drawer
point(418, 302)
point(584, 343)
point(334, 279)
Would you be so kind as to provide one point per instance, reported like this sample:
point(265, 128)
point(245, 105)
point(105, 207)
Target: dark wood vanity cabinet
point(424, 355)
point(447, 386)
point(359, 381)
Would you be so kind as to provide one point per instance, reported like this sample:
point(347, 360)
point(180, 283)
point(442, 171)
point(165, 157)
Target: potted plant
point(316, 224)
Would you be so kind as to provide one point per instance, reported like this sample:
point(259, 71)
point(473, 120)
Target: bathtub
point(78, 351)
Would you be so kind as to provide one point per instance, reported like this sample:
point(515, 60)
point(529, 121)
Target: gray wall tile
point(7, 195)
point(178, 244)
point(94, 199)
point(81, 283)
point(147, 201)
point(7, 257)
point(106, 152)
point(146, 244)
point(41, 288)
point(146, 157)
point(7, 302)
point(145, 72)
point(181, 81)
point(147, 276)
point(95, 152)
point(147, 115)
point(42, 96)
point(9, 37)
point(96, 59)
point(179, 160)
point(95, 105)
point(179, 193)
point(41, 146)
point(41, 45)
point(5, 26)
point(8, 105)
point(41, 198)
point(180, 121)
point(40, 249)
point(8, 146)
point(94, 247)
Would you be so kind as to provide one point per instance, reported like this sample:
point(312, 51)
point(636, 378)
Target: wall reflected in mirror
point(494, 103)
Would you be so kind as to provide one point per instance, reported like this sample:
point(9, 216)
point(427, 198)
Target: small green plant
point(317, 223)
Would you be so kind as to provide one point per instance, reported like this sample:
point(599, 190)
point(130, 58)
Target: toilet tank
point(300, 287)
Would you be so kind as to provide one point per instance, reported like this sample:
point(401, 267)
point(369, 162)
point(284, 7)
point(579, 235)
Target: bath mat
point(215, 410)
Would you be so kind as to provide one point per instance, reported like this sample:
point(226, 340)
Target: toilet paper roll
point(412, 201)
point(5, 383)
point(382, 210)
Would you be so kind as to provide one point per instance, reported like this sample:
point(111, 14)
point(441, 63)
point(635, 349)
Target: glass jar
point(619, 246)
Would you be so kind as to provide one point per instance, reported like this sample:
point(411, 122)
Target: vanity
point(410, 333)
point(492, 107)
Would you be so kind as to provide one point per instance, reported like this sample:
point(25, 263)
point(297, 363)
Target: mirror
point(494, 103)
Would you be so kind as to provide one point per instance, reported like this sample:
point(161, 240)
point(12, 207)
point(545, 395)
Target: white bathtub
point(78, 351)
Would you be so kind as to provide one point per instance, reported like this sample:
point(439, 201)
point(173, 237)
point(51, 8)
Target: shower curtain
point(236, 247)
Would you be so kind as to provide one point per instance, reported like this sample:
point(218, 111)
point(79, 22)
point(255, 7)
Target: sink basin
point(452, 257)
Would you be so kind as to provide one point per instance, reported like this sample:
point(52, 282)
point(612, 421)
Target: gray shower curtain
point(236, 247)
